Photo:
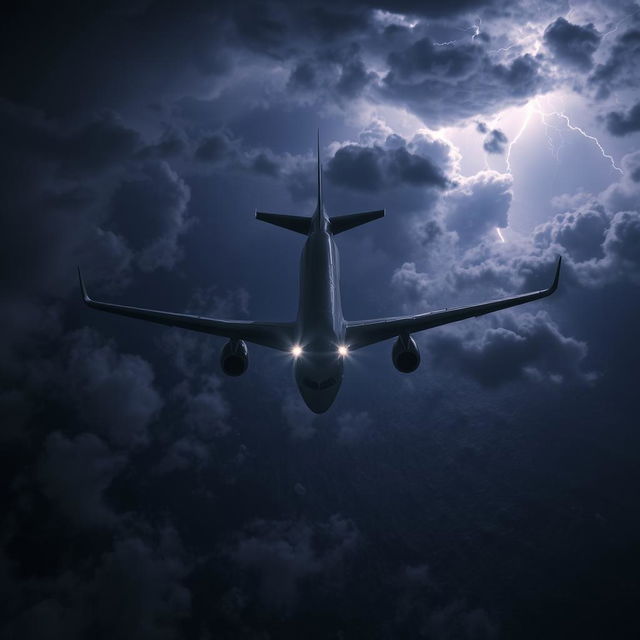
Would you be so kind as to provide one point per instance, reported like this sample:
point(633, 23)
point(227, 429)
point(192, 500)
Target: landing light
point(343, 350)
point(296, 351)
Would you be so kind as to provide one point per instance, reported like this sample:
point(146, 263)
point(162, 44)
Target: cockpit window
point(325, 384)
point(312, 384)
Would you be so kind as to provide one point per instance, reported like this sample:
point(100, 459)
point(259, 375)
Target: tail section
point(299, 224)
point(319, 220)
point(320, 203)
point(338, 224)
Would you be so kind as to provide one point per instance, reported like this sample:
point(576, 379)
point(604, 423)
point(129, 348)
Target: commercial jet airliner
point(320, 339)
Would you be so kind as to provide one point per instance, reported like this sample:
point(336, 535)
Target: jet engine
point(234, 358)
point(405, 354)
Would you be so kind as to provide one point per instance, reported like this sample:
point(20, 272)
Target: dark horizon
point(490, 494)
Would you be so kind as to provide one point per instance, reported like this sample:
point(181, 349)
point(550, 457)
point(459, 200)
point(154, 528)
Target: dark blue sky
point(491, 494)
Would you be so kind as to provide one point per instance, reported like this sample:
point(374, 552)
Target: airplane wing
point(366, 332)
point(277, 335)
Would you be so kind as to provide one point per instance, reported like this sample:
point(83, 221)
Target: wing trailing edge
point(366, 332)
point(276, 335)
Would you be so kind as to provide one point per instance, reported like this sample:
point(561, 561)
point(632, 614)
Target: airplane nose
point(319, 402)
point(318, 380)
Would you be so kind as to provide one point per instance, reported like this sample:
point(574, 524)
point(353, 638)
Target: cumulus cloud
point(572, 44)
point(134, 588)
point(206, 409)
point(341, 74)
point(112, 392)
point(620, 124)
point(395, 163)
point(282, 554)
point(138, 587)
point(525, 345)
point(444, 85)
point(581, 232)
point(495, 141)
point(150, 211)
point(620, 70)
point(74, 473)
point(478, 205)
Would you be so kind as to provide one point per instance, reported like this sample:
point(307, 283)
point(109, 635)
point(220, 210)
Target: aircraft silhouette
point(320, 339)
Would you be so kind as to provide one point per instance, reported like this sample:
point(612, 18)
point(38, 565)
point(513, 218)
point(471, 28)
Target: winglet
point(556, 279)
point(85, 295)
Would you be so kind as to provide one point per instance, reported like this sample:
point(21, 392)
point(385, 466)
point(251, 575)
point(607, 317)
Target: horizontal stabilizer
point(298, 224)
point(344, 223)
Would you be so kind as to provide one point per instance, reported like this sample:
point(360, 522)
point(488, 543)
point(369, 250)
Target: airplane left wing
point(366, 332)
point(277, 335)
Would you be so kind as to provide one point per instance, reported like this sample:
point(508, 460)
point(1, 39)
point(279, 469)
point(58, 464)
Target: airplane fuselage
point(318, 368)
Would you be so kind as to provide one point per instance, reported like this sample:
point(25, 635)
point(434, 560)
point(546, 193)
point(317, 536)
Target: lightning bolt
point(534, 107)
point(525, 122)
point(617, 24)
point(559, 114)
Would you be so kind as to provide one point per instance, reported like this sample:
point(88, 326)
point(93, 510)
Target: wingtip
point(83, 288)
point(556, 278)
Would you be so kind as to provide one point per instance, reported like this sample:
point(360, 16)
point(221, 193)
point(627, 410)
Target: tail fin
point(298, 224)
point(338, 224)
point(319, 175)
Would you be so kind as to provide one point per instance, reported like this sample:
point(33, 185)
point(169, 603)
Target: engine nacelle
point(234, 358)
point(405, 354)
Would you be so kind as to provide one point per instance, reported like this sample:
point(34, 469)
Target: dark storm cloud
point(353, 426)
point(580, 232)
point(478, 205)
point(340, 75)
point(572, 44)
point(150, 210)
point(74, 474)
point(495, 142)
point(284, 554)
point(112, 392)
point(376, 168)
point(443, 85)
point(134, 587)
point(525, 345)
point(620, 124)
point(620, 70)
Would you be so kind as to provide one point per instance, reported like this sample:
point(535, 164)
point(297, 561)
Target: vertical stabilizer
point(320, 207)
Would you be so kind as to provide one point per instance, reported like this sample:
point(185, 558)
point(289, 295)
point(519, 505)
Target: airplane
point(320, 339)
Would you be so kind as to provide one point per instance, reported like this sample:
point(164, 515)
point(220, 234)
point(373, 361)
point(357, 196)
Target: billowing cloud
point(443, 85)
point(112, 392)
point(282, 554)
point(478, 205)
point(149, 210)
point(74, 474)
point(620, 124)
point(572, 44)
point(620, 70)
point(374, 168)
point(495, 142)
point(525, 345)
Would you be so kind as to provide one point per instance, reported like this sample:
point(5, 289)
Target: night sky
point(494, 493)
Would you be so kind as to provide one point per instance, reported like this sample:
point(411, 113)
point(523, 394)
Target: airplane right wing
point(366, 332)
point(277, 335)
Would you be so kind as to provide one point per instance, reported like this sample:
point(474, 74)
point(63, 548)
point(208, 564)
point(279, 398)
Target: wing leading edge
point(366, 332)
point(277, 335)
